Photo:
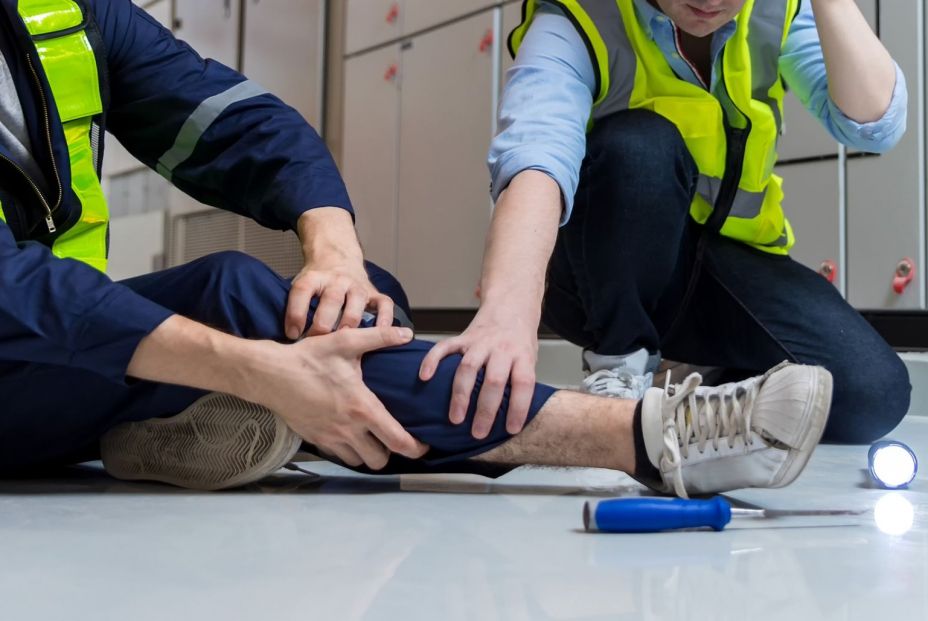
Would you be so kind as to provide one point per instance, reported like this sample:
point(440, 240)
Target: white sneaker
point(218, 442)
point(757, 433)
point(619, 377)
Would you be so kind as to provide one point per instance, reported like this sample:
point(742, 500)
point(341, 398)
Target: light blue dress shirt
point(548, 98)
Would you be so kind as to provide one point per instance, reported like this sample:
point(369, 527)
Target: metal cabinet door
point(369, 23)
point(369, 149)
point(422, 14)
point(885, 194)
point(804, 136)
point(283, 50)
point(446, 126)
point(211, 27)
point(812, 205)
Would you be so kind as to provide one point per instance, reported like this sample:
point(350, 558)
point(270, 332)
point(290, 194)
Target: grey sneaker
point(757, 433)
point(218, 442)
point(619, 377)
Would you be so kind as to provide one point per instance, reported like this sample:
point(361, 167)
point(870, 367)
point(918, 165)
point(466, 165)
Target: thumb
point(363, 340)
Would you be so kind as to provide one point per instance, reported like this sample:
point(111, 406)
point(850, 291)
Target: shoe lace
point(703, 417)
point(611, 382)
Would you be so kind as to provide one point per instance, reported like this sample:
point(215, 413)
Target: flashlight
point(893, 465)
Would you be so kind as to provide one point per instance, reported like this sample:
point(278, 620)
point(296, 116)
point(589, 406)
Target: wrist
point(328, 236)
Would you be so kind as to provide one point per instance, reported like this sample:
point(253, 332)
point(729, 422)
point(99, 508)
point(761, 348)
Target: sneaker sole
point(217, 443)
point(815, 418)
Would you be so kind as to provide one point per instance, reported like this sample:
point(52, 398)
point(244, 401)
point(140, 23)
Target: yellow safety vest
point(65, 52)
point(732, 133)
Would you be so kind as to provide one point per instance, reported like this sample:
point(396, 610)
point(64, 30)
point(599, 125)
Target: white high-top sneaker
point(619, 377)
point(218, 442)
point(757, 433)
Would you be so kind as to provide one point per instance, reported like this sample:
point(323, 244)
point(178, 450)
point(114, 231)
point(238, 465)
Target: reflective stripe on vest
point(632, 73)
point(58, 31)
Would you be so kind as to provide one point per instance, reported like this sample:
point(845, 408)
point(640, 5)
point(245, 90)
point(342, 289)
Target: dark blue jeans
point(623, 264)
point(56, 415)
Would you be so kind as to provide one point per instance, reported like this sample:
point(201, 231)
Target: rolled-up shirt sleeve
point(802, 65)
point(545, 108)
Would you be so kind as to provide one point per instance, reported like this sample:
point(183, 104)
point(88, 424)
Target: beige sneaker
point(757, 433)
point(218, 442)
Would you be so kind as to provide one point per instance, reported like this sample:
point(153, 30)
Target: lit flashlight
point(893, 465)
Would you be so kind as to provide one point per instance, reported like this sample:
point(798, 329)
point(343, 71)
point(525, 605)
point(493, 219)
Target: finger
point(463, 387)
point(347, 455)
point(522, 389)
point(360, 341)
point(432, 359)
point(495, 379)
point(372, 451)
point(301, 294)
point(390, 433)
point(384, 306)
point(353, 312)
point(330, 307)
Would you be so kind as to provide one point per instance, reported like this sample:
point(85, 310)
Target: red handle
point(391, 73)
point(393, 14)
point(486, 42)
point(829, 270)
point(905, 274)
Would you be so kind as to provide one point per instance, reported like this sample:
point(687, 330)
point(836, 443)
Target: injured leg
point(757, 433)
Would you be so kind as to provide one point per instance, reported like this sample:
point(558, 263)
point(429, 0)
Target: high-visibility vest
point(67, 56)
point(731, 133)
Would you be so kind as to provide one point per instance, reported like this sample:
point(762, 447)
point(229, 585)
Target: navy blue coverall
point(67, 332)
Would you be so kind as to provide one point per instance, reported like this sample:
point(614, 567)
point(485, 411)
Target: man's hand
point(334, 272)
point(316, 387)
point(344, 293)
point(506, 345)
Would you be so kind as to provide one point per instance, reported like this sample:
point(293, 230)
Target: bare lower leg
point(574, 429)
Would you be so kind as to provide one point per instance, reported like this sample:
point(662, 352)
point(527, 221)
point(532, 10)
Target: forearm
point(520, 243)
point(183, 352)
point(861, 72)
point(328, 235)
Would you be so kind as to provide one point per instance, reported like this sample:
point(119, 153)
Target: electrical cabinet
point(885, 195)
point(415, 162)
point(812, 204)
point(446, 121)
point(370, 149)
point(211, 27)
point(283, 47)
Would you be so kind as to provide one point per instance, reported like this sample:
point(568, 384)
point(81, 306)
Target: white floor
point(345, 547)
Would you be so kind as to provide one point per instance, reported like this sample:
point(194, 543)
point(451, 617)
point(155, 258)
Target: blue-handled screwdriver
point(654, 515)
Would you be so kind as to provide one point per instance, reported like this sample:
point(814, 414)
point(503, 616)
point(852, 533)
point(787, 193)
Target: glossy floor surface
point(341, 547)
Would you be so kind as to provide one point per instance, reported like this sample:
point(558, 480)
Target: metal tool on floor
point(654, 515)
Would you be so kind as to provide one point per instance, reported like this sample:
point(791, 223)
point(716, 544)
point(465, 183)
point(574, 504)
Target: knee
point(870, 399)
point(640, 139)
point(386, 283)
point(231, 270)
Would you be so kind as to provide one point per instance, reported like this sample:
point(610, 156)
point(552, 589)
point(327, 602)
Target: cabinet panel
point(369, 159)
point(884, 202)
point(211, 27)
point(372, 22)
point(422, 14)
point(283, 50)
point(136, 245)
point(804, 135)
point(444, 206)
point(812, 205)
